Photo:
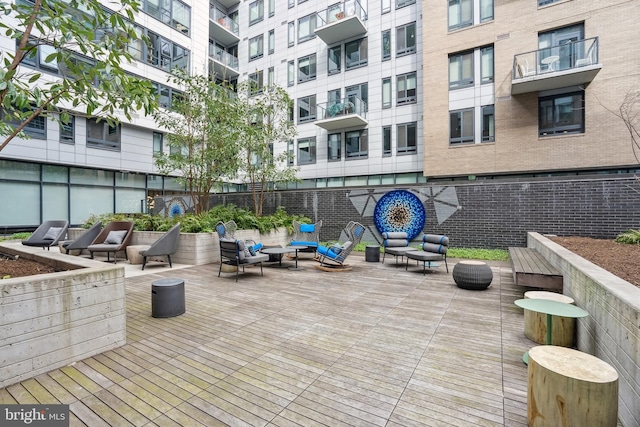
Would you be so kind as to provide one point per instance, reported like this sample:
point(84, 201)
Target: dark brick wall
point(490, 214)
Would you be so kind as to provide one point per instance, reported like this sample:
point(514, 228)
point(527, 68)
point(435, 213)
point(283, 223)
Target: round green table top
point(554, 308)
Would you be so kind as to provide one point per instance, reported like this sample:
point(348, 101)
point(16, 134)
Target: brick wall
point(482, 214)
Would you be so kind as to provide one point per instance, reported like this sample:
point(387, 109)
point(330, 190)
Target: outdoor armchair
point(436, 244)
point(166, 245)
point(235, 252)
point(333, 256)
point(48, 234)
point(116, 236)
point(306, 235)
point(84, 240)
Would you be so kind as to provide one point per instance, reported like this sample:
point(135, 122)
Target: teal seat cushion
point(303, 243)
point(328, 252)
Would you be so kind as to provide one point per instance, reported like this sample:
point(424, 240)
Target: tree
point(203, 136)
point(83, 43)
point(266, 123)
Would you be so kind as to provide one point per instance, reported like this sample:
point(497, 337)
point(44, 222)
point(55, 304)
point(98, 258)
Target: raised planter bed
point(611, 332)
point(51, 320)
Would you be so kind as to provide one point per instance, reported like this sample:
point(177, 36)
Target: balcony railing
point(224, 21)
point(556, 66)
point(341, 21)
point(223, 57)
point(347, 112)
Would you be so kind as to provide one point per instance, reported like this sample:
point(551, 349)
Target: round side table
point(473, 275)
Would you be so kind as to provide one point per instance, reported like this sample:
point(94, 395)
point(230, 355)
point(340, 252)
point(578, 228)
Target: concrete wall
point(481, 214)
point(52, 320)
point(611, 332)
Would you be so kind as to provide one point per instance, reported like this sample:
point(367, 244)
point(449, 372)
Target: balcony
point(345, 113)
point(570, 64)
point(222, 28)
point(341, 21)
point(223, 64)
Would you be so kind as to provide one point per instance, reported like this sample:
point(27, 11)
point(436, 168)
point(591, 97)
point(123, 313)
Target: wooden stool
point(535, 324)
point(133, 253)
point(570, 388)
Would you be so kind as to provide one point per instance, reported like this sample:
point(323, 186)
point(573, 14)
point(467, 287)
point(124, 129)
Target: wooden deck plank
point(531, 269)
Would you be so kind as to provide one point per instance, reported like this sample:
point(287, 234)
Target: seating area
point(48, 234)
point(113, 238)
point(166, 245)
point(306, 235)
point(333, 257)
point(236, 253)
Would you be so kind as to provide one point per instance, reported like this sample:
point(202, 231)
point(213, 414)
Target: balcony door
point(560, 48)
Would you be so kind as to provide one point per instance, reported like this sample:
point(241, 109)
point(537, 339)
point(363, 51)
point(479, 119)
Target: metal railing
point(553, 59)
point(342, 107)
point(341, 10)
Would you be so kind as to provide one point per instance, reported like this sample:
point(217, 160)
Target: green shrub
point(630, 236)
point(16, 236)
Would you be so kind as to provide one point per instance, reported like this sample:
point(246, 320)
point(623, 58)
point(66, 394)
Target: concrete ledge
point(52, 320)
point(612, 330)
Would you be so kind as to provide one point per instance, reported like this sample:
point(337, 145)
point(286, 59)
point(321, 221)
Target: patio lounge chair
point(332, 257)
point(48, 234)
point(116, 236)
point(395, 243)
point(84, 240)
point(235, 252)
point(306, 235)
point(226, 230)
point(166, 245)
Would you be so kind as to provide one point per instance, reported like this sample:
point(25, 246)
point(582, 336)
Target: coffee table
point(550, 308)
point(281, 252)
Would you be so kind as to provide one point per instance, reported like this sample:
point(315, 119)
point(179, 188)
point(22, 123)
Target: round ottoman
point(474, 275)
point(167, 297)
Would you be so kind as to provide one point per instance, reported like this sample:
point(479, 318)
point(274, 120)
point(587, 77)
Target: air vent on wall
point(503, 36)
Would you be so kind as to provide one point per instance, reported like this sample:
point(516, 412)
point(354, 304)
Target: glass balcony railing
point(224, 20)
point(554, 59)
point(223, 57)
point(344, 107)
point(341, 10)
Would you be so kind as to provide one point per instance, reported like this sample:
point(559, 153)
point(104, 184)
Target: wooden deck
point(377, 346)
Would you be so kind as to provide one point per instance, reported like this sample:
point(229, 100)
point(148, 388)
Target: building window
point(461, 127)
point(307, 109)
point(486, 64)
point(291, 34)
point(272, 41)
point(334, 60)
point(272, 8)
point(386, 92)
point(386, 6)
point(560, 48)
point(292, 3)
point(386, 45)
point(306, 27)
point(403, 3)
point(386, 141)
point(307, 68)
point(561, 114)
point(406, 85)
point(406, 39)
point(165, 54)
point(355, 53)
point(256, 12)
point(460, 14)
point(290, 154)
point(358, 95)
point(488, 124)
point(356, 144)
point(157, 143)
point(306, 151)
point(171, 12)
point(333, 96)
point(546, 2)
point(102, 135)
point(166, 94)
point(460, 70)
point(407, 137)
point(486, 10)
point(67, 130)
point(270, 76)
point(256, 47)
point(257, 82)
point(334, 145)
point(291, 73)
point(36, 128)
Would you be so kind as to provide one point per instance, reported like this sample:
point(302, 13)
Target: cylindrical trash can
point(372, 253)
point(167, 297)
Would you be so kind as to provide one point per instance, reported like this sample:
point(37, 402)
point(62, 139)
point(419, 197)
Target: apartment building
point(525, 87)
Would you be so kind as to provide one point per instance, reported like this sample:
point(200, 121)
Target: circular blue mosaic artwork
point(399, 210)
point(176, 207)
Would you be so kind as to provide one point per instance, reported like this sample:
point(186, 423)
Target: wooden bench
point(533, 270)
